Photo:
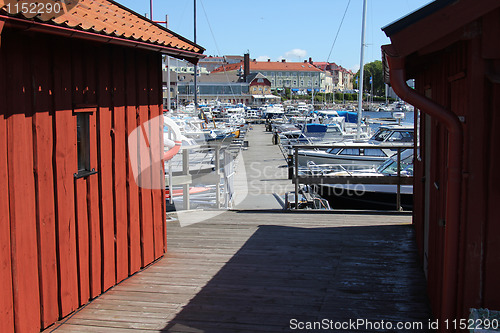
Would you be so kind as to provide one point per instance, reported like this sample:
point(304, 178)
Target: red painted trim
point(451, 122)
point(2, 24)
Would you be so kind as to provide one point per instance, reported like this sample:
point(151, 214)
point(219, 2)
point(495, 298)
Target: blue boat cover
point(316, 128)
point(350, 116)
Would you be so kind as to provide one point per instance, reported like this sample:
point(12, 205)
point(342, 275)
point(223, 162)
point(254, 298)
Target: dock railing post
point(185, 187)
point(398, 195)
point(218, 176)
point(290, 166)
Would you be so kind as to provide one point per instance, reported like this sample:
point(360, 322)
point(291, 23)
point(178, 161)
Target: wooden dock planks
point(255, 271)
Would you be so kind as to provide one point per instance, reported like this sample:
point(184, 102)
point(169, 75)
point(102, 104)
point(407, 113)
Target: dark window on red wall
point(83, 141)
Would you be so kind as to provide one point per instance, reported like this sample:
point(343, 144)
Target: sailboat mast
point(361, 72)
point(195, 66)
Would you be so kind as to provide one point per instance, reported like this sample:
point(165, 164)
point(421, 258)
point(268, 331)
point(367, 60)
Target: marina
point(146, 185)
point(256, 267)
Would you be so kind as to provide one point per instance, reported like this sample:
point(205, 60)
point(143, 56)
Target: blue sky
point(282, 29)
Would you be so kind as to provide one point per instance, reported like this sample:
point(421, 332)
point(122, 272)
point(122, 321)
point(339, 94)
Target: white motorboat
point(372, 196)
point(356, 153)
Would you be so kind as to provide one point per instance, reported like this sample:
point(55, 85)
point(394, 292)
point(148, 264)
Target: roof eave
point(29, 25)
point(415, 16)
point(434, 22)
point(157, 25)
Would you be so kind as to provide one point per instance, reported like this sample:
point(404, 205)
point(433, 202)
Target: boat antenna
point(361, 70)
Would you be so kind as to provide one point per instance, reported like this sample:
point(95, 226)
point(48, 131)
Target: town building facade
point(297, 76)
point(341, 77)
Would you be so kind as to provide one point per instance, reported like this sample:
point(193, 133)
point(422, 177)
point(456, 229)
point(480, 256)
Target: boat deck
point(259, 272)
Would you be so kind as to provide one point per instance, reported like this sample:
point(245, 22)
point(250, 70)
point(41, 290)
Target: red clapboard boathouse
point(73, 86)
point(452, 50)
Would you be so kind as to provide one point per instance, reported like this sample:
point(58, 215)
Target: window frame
point(83, 114)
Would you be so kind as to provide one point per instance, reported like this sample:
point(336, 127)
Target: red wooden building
point(73, 222)
point(452, 50)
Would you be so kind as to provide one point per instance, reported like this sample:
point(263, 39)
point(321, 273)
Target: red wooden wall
point(64, 241)
point(460, 77)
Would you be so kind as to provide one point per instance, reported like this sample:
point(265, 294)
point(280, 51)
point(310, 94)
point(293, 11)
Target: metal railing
point(216, 174)
point(351, 178)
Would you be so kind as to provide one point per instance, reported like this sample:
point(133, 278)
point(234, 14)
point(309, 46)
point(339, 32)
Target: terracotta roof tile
point(271, 66)
point(103, 17)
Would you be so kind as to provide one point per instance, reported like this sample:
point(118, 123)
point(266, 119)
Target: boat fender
point(173, 145)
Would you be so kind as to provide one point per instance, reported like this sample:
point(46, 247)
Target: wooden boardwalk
point(259, 271)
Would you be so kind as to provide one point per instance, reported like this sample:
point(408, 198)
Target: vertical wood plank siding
point(6, 292)
point(81, 211)
point(462, 79)
point(133, 212)
point(23, 234)
point(145, 177)
point(120, 165)
point(63, 241)
point(155, 93)
point(44, 181)
point(104, 116)
point(65, 167)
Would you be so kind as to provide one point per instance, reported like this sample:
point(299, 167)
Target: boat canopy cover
point(316, 128)
point(350, 117)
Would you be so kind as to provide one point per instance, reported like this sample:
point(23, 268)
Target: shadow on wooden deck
point(284, 276)
point(254, 272)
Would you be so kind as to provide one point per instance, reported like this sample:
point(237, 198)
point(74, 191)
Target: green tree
point(374, 69)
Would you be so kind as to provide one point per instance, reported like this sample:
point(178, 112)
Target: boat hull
point(339, 159)
point(378, 197)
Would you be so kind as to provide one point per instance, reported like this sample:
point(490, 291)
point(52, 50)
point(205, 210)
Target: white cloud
point(295, 54)
point(263, 58)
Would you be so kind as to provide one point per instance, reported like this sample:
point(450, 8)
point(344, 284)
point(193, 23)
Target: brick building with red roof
point(298, 76)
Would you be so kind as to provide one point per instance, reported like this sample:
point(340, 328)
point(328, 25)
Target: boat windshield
point(401, 136)
point(393, 136)
point(390, 167)
point(381, 135)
